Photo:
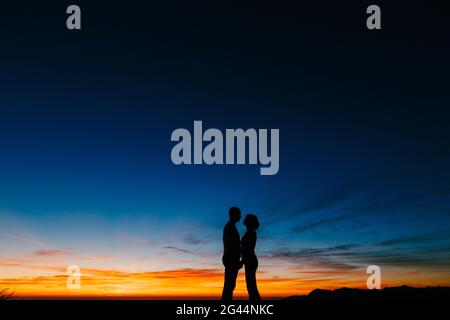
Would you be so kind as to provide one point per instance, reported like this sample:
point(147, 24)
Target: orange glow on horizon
point(172, 284)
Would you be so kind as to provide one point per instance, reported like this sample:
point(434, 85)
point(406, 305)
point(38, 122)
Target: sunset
point(212, 159)
point(43, 273)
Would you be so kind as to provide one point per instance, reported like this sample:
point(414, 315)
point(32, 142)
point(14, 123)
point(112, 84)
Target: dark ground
point(399, 302)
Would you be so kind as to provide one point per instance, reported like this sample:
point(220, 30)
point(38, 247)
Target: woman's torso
point(248, 243)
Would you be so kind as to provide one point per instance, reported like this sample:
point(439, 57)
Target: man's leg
point(233, 276)
point(229, 284)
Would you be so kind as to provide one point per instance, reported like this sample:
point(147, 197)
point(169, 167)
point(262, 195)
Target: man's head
point(235, 214)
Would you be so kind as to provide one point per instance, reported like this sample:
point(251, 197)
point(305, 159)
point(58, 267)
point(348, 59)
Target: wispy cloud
point(318, 258)
point(194, 240)
point(322, 222)
point(32, 264)
point(51, 253)
point(178, 249)
point(349, 257)
point(416, 239)
point(30, 241)
point(381, 194)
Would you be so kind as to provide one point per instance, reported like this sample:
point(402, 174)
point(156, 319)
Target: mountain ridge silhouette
point(389, 293)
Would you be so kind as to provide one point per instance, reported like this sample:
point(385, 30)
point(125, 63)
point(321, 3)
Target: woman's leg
point(250, 279)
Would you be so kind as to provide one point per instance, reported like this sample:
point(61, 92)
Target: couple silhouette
point(234, 248)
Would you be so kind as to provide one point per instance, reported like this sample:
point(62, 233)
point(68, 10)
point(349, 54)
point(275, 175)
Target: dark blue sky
point(86, 119)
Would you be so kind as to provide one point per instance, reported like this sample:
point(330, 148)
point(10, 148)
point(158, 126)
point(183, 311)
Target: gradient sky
point(85, 123)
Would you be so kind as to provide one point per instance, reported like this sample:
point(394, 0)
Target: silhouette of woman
point(248, 243)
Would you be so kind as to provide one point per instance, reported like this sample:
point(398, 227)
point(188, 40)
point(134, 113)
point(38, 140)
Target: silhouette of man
point(231, 253)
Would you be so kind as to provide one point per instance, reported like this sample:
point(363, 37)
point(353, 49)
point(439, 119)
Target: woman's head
point(251, 221)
